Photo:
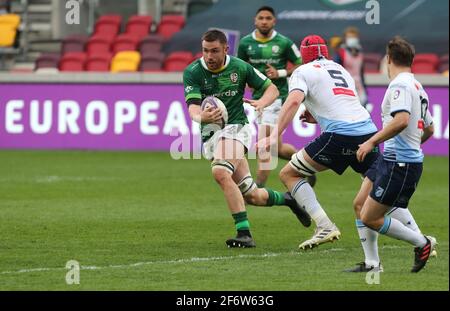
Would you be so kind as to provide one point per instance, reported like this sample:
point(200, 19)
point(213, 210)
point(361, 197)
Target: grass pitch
point(142, 221)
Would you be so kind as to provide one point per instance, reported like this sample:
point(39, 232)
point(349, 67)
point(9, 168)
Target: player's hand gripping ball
point(214, 102)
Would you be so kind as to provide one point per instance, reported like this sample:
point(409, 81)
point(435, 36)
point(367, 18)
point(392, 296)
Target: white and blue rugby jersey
point(331, 98)
point(405, 93)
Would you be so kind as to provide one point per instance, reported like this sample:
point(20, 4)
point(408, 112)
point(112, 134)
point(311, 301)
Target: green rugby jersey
point(227, 84)
point(276, 51)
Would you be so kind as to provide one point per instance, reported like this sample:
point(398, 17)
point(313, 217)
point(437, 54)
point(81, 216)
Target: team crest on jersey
point(234, 77)
point(379, 192)
point(275, 49)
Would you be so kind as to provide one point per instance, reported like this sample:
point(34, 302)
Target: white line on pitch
point(174, 261)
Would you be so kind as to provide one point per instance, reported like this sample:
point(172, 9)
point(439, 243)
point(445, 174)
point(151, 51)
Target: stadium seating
point(7, 35)
point(177, 61)
point(169, 25)
point(74, 43)
point(139, 25)
point(47, 61)
point(127, 61)
point(152, 62)
point(73, 61)
point(372, 62)
point(443, 63)
point(99, 44)
point(125, 42)
point(98, 62)
point(151, 44)
point(108, 25)
point(12, 20)
point(425, 63)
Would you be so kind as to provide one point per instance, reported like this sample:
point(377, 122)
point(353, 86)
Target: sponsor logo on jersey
point(189, 89)
point(379, 192)
point(234, 77)
point(396, 94)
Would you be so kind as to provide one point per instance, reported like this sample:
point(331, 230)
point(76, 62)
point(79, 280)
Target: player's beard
point(265, 32)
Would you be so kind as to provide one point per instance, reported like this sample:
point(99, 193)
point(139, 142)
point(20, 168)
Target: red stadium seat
point(47, 61)
point(74, 43)
point(177, 61)
point(425, 63)
point(139, 25)
point(125, 42)
point(151, 44)
point(443, 63)
point(72, 62)
point(99, 44)
point(152, 62)
point(372, 62)
point(108, 25)
point(169, 25)
point(99, 62)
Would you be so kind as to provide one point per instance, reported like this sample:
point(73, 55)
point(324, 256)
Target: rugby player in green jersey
point(269, 52)
point(225, 77)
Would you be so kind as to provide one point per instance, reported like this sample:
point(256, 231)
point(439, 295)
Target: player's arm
point(193, 98)
point(209, 115)
point(428, 131)
point(400, 102)
point(396, 126)
point(258, 81)
point(289, 109)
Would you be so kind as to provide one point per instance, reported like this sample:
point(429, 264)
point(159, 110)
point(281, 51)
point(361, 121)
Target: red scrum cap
point(313, 47)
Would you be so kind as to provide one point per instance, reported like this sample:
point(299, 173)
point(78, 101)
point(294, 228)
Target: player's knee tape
point(299, 163)
point(223, 164)
point(247, 185)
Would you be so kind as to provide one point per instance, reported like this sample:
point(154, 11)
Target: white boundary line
point(168, 262)
point(192, 260)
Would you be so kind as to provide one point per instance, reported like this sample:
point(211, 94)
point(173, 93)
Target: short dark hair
point(215, 35)
point(266, 8)
point(400, 51)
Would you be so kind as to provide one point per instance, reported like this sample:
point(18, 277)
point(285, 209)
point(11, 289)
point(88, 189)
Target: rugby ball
point(212, 101)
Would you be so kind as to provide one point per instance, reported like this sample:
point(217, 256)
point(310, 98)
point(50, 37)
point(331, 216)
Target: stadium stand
point(152, 62)
point(127, 61)
point(169, 25)
point(49, 60)
point(74, 43)
point(108, 25)
point(125, 42)
point(139, 25)
point(99, 44)
point(443, 63)
point(99, 62)
point(73, 61)
point(425, 63)
point(151, 44)
point(177, 61)
point(372, 62)
point(9, 23)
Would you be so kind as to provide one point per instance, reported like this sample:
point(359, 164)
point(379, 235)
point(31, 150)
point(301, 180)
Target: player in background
point(394, 177)
point(329, 95)
point(269, 52)
point(225, 77)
